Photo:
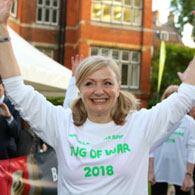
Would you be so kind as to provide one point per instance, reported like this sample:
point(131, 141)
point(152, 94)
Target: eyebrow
point(90, 79)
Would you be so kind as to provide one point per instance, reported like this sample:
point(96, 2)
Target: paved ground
point(171, 191)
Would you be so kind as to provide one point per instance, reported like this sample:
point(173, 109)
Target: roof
point(43, 73)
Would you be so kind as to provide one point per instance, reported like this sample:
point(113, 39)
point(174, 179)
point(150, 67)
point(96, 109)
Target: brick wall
point(81, 33)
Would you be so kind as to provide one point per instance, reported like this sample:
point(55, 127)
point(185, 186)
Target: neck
point(100, 119)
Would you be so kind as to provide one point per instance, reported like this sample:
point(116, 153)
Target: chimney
point(171, 18)
point(156, 18)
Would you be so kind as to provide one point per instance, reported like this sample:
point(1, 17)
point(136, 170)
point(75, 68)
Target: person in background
point(28, 142)
point(192, 114)
point(72, 90)
point(10, 126)
point(173, 161)
point(102, 143)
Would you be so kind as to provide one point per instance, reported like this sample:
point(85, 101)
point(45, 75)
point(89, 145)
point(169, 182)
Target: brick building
point(121, 29)
point(166, 32)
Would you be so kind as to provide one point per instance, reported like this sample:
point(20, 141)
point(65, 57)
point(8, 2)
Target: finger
point(72, 60)
point(180, 75)
point(10, 3)
point(154, 180)
point(2, 105)
point(77, 59)
point(185, 188)
point(81, 58)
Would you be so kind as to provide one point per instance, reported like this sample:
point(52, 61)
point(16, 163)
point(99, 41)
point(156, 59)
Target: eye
point(108, 83)
point(89, 83)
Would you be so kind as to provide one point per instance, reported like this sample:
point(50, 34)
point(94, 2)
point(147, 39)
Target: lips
point(99, 100)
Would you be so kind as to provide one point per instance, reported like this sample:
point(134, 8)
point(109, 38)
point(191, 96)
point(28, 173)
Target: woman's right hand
point(5, 7)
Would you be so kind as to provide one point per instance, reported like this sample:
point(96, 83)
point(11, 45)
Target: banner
point(161, 64)
point(29, 175)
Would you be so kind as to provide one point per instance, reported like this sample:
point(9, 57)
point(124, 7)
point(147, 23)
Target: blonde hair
point(168, 91)
point(126, 101)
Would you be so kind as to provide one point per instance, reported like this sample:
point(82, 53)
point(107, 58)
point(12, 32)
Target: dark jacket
point(9, 133)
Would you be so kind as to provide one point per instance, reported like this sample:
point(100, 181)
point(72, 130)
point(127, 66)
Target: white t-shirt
point(72, 94)
point(100, 158)
point(171, 158)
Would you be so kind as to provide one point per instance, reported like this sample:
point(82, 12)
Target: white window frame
point(46, 50)
point(43, 7)
point(14, 9)
point(135, 21)
point(130, 62)
point(164, 35)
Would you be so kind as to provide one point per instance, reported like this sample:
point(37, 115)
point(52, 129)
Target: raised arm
point(72, 91)
point(8, 64)
point(75, 61)
point(188, 75)
point(43, 117)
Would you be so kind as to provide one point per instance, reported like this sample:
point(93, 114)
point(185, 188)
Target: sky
point(163, 7)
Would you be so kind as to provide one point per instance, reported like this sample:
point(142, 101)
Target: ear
point(119, 86)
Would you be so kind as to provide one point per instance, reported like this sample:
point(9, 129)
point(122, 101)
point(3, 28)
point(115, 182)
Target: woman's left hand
point(188, 75)
point(75, 61)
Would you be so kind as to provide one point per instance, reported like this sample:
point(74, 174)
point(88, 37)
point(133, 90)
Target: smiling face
point(99, 92)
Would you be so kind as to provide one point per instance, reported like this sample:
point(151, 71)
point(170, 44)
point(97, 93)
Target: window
point(48, 52)
point(48, 12)
point(14, 8)
point(117, 11)
point(164, 36)
point(128, 61)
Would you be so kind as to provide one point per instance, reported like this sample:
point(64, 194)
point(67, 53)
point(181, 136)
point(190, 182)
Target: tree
point(185, 10)
point(177, 59)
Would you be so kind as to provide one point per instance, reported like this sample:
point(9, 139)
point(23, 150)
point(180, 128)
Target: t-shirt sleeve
point(42, 116)
point(71, 93)
point(159, 120)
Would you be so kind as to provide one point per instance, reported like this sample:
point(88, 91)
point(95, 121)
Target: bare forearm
point(8, 64)
point(151, 165)
point(190, 168)
point(188, 180)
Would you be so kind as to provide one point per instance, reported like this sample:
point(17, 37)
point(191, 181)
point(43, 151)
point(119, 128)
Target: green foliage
point(56, 100)
point(177, 59)
point(184, 10)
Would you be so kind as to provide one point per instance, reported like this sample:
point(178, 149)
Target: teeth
point(102, 100)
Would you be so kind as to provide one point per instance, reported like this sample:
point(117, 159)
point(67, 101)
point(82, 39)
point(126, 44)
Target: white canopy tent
point(43, 73)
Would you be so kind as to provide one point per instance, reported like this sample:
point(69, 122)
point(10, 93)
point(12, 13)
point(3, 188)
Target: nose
point(99, 90)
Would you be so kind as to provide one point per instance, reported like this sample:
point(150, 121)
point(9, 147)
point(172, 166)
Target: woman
point(102, 144)
point(173, 161)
